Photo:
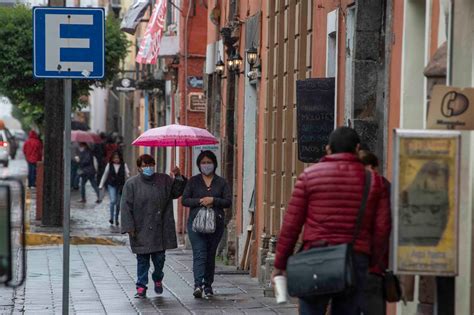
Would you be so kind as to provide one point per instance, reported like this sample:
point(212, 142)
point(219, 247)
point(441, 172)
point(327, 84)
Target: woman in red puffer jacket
point(326, 201)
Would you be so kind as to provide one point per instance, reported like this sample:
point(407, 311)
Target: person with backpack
point(115, 174)
point(328, 200)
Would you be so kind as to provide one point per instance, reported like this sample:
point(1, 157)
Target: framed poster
point(425, 202)
point(216, 148)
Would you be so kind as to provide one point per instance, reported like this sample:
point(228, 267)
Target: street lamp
point(252, 55)
point(220, 67)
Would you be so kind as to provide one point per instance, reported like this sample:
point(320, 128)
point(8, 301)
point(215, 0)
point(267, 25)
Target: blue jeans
point(91, 178)
point(31, 174)
point(204, 252)
point(114, 196)
point(347, 304)
point(143, 266)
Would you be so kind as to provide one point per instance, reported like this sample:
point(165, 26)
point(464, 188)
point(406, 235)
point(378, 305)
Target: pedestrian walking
point(99, 154)
point(33, 150)
point(327, 200)
point(147, 216)
point(87, 171)
point(206, 190)
point(376, 304)
point(74, 166)
point(110, 147)
point(115, 174)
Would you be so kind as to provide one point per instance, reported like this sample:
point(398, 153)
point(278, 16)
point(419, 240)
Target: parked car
point(4, 148)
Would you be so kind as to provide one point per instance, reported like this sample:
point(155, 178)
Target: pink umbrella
point(175, 136)
point(97, 138)
point(82, 136)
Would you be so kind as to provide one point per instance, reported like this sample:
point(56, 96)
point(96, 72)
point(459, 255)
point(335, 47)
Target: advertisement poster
point(425, 202)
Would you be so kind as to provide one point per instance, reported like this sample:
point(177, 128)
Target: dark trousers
point(375, 301)
point(347, 304)
point(31, 174)
point(204, 253)
point(143, 266)
point(74, 176)
point(91, 178)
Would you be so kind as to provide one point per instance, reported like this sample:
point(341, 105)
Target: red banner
point(150, 44)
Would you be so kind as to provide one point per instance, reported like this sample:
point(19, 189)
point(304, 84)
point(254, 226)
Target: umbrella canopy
point(84, 136)
point(175, 136)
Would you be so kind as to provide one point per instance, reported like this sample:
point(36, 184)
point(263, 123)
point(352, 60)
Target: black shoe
point(158, 287)
point(111, 222)
point(208, 292)
point(116, 223)
point(98, 201)
point(141, 293)
point(197, 292)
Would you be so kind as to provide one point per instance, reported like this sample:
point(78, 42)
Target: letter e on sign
point(69, 43)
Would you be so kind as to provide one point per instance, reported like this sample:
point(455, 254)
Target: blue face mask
point(148, 171)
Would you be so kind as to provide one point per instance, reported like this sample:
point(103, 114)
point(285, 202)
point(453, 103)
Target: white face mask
point(207, 169)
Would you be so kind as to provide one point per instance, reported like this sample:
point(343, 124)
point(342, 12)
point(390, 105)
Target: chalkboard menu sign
point(314, 117)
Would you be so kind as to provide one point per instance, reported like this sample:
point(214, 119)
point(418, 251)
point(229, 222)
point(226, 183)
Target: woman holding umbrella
point(211, 191)
point(218, 196)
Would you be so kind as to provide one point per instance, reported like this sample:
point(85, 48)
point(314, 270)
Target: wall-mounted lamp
point(230, 63)
point(220, 67)
point(252, 59)
point(237, 64)
point(252, 56)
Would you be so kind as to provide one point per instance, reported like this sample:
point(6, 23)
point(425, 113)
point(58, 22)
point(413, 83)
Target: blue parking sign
point(69, 43)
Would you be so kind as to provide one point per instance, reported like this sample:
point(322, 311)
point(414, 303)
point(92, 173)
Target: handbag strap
point(360, 214)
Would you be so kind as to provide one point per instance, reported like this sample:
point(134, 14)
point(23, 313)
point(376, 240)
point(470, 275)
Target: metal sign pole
point(67, 191)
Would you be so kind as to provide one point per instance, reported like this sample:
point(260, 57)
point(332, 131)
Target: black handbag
point(392, 291)
point(326, 270)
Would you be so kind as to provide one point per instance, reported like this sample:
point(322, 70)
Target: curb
point(39, 239)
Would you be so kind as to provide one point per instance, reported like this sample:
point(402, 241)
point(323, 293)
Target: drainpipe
point(186, 55)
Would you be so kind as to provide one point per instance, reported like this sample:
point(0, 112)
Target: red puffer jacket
point(326, 200)
point(33, 148)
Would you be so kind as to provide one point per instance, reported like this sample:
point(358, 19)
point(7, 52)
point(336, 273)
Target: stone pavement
point(102, 282)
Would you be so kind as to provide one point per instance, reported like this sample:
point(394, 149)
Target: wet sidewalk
point(89, 223)
point(102, 282)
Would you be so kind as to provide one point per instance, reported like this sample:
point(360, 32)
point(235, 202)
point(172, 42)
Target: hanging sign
point(315, 106)
point(451, 108)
